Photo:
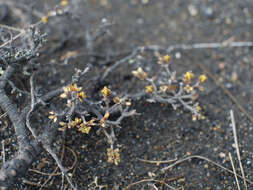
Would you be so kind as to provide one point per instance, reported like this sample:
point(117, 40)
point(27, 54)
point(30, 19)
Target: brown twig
point(59, 173)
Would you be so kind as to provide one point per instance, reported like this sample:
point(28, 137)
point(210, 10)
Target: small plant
point(167, 88)
point(84, 114)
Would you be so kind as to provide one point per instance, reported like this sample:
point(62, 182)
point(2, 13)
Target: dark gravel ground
point(159, 133)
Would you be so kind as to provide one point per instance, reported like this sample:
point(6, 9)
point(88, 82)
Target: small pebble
point(144, 2)
point(208, 12)
point(178, 55)
point(228, 85)
point(222, 155)
point(192, 10)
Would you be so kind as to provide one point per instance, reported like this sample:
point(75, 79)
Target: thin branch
point(28, 125)
point(51, 152)
point(171, 48)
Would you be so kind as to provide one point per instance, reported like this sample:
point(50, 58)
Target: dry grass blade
point(214, 78)
point(158, 162)
point(235, 174)
point(206, 159)
point(237, 147)
point(148, 180)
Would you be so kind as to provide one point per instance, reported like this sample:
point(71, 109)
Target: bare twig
point(58, 173)
point(97, 186)
point(55, 157)
point(28, 125)
point(171, 48)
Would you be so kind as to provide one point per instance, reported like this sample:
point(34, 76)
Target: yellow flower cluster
point(44, 19)
point(188, 76)
point(164, 59)
point(113, 156)
point(188, 88)
point(82, 126)
point(63, 4)
point(73, 88)
point(198, 115)
point(52, 116)
point(169, 88)
point(139, 73)
point(149, 89)
point(106, 92)
point(202, 78)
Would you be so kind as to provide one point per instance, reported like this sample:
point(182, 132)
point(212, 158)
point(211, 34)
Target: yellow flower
point(64, 3)
point(197, 117)
point(202, 78)
point(194, 117)
point(52, 116)
point(139, 73)
point(116, 100)
point(91, 122)
point(81, 95)
point(64, 126)
point(76, 122)
point(188, 76)
point(63, 95)
point(113, 156)
point(106, 92)
point(166, 58)
point(164, 88)
point(65, 89)
point(149, 89)
point(73, 87)
point(84, 128)
point(198, 108)
point(188, 88)
point(102, 121)
point(128, 103)
point(44, 19)
point(106, 116)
